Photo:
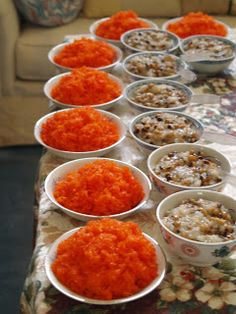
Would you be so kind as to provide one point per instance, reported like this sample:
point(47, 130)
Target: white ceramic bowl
point(51, 255)
point(166, 24)
point(195, 252)
point(55, 51)
point(115, 42)
point(61, 171)
point(132, 49)
point(48, 86)
point(76, 155)
point(129, 90)
point(168, 188)
point(181, 65)
point(197, 124)
point(210, 66)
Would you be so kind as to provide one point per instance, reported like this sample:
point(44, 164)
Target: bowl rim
point(194, 146)
point(173, 20)
point(53, 52)
point(157, 81)
point(167, 199)
point(172, 35)
point(136, 119)
point(89, 160)
point(182, 65)
point(94, 25)
point(220, 38)
point(58, 285)
point(116, 119)
point(55, 79)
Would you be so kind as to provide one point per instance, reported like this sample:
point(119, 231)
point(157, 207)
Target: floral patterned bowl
point(195, 252)
point(168, 188)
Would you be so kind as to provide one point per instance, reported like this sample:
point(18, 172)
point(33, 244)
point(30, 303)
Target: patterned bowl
point(195, 252)
point(61, 171)
point(114, 42)
point(76, 155)
point(51, 255)
point(168, 188)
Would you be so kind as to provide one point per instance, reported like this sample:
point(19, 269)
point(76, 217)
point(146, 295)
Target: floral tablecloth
point(186, 289)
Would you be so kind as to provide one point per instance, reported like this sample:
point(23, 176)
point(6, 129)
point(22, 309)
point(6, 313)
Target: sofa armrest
point(9, 32)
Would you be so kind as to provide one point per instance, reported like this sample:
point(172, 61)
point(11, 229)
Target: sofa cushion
point(34, 43)
point(219, 7)
point(146, 8)
point(49, 12)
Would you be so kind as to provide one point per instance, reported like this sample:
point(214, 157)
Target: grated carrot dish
point(99, 188)
point(197, 24)
point(120, 23)
point(86, 87)
point(86, 52)
point(79, 130)
point(107, 259)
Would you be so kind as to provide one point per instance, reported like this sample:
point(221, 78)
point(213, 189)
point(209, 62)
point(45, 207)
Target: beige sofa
point(24, 66)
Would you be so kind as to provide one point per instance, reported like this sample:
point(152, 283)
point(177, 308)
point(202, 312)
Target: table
point(186, 289)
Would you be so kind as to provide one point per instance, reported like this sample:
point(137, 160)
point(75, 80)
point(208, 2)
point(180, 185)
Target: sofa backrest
point(155, 8)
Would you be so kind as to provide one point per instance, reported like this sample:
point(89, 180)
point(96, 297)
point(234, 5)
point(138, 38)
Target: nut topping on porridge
point(153, 65)
point(188, 168)
point(215, 48)
point(159, 96)
point(165, 128)
point(201, 220)
point(150, 40)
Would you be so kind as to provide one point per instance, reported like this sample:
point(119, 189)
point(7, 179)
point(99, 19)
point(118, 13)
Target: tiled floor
point(18, 166)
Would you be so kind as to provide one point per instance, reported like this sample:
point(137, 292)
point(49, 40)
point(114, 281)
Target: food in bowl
point(106, 259)
point(153, 65)
point(215, 48)
point(159, 96)
point(189, 168)
point(201, 220)
point(118, 24)
point(85, 87)
point(99, 188)
point(86, 52)
point(79, 130)
point(162, 128)
point(150, 40)
point(197, 23)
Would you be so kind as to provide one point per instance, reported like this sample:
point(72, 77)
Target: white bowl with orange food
point(198, 226)
point(101, 187)
point(107, 136)
point(74, 90)
point(105, 283)
point(142, 23)
point(113, 58)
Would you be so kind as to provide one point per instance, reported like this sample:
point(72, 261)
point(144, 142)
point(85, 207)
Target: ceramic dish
point(191, 251)
point(55, 50)
point(56, 283)
point(172, 47)
point(131, 89)
point(55, 80)
point(75, 155)
point(117, 43)
point(61, 171)
point(173, 65)
point(167, 187)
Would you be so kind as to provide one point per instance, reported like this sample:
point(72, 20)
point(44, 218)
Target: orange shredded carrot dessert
point(107, 259)
point(99, 188)
point(118, 24)
point(86, 87)
point(197, 24)
point(79, 130)
point(86, 52)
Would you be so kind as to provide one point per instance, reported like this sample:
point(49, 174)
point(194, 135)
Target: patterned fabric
point(49, 12)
